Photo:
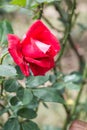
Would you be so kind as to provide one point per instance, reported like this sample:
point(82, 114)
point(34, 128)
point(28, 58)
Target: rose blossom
point(35, 51)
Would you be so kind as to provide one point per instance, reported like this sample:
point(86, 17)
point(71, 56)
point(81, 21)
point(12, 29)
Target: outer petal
point(37, 70)
point(41, 33)
point(42, 62)
point(14, 49)
point(48, 38)
point(35, 49)
point(24, 68)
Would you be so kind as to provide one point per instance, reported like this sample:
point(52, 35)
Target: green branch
point(2, 58)
point(40, 7)
point(68, 26)
point(80, 57)
point(80, 91)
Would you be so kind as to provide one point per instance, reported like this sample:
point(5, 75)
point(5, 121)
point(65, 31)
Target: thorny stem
point(68, 37)
point(2, 58)
point(81, 61)
point(1, 93)
point(80, 91)
point(1, 89)
point(80, 57)
point(72, 114)
point(68, 26)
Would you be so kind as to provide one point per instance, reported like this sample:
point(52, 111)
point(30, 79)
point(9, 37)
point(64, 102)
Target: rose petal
point(38, 48)
point(48, 38)
point(45, 62)
point(42, 46)
point(41, 33)
point(37, 70)
point(31, 49)
point(14, 49)
point(24, 68)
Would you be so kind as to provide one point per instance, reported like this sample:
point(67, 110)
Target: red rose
point(35, 51)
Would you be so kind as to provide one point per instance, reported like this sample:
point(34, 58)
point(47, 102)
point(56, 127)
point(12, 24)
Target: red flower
point(35, 51)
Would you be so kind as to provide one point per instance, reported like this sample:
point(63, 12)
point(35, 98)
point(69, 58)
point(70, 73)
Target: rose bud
point(78, 125)
point(36, 51)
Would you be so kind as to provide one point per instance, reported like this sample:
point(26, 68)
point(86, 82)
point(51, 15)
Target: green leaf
point(25, 95)
point(34, 103)
point(7, 71)
point(18, 2)
point(83, 107)
point(29, 125)
point(72, 86)
point(5, 28)
point(20, 76)
point(82, 26)
point(28, 96)
point(14, 101)
point(12, 124)
point(52, 78)
point(58, 85)
point(34, 81)
point(48, 95)
point(75, 77)
point(69, 85)
point(20, 93)
point(27, 113)
point(6, 58)
point(11, 85)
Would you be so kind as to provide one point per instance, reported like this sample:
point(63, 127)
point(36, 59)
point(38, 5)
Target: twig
point(80, 91)
point(81, 60)
point(2, 58)
point(1, 93)
point(40, 7)
point(50, 24)
point(66, 37)
point(68, 27)
point(80, 57)
point(70, 117)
